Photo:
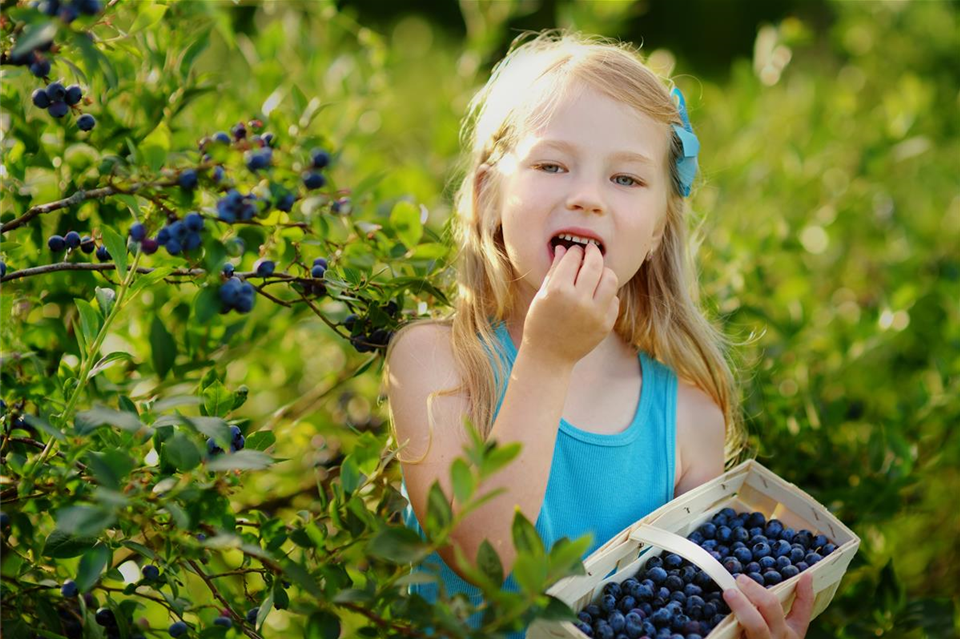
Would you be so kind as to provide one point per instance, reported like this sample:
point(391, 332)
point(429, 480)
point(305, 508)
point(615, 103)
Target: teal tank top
point(599, 484)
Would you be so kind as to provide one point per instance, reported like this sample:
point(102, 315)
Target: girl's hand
point(760, 613)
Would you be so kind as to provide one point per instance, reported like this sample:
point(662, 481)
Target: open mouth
point(566, 242)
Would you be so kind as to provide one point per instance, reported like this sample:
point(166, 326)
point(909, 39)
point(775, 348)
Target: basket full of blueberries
point(670, 597)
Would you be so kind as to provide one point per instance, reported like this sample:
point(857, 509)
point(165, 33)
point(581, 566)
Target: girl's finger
point(802, 611)
point(749, 617)
point(766, 603)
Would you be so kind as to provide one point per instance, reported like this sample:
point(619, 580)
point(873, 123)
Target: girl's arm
point(700, 431)
point(421, 363)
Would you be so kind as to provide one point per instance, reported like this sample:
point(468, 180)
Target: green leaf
point(117, 247)
point(110, 467)
point(91, 566)
point(261, 440)
point(281, 601)
point(525, 536)
point(193, 51)
point(498, 458)
point(322, 625)
point(156, 146)
point(241, 460)
point(148, 279)
point(439, 515)
point(107, 361)
point(399, 545)
point(63, 545)
point(489, 562)
point(42, 424)
point(163, 346)
point(566, 556)
point(140, 548)
point(33, 36)
point(105, 299)
point(89, 321)
point(217, 400)
point(206, 305)
point(405, 220)
point(349, 474)
point(180, 451)
point(463, 480)
point(531, 572)
point(147, 16)
point(302, 577)
point(88, 420)
point(83, 521)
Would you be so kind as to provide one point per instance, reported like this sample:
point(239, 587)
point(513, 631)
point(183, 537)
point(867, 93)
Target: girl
point(573, 270)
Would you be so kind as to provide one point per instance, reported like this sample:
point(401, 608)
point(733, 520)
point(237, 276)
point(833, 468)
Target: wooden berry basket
point(747, 487)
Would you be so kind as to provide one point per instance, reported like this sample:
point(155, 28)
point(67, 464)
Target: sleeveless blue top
point(599, 484)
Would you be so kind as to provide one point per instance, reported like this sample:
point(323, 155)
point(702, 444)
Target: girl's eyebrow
point(572, 148)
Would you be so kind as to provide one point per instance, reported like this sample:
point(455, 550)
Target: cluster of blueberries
point(68, 10)
point(237, 441)
point(234, 206)
point(365, 342)
point(72, 240)
point(313, 179)
point(236, 294)
point(57, 100)
point(672, 598)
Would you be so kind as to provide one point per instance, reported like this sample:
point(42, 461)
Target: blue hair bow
point(687, 163)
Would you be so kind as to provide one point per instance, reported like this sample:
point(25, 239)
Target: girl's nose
point(585, 196)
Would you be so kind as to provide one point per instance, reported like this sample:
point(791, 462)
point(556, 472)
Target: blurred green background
point(828, 211)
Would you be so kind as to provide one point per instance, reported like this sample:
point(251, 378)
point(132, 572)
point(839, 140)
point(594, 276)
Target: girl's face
point(597, 165)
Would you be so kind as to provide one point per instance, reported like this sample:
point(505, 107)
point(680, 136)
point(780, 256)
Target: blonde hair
point(659, 310)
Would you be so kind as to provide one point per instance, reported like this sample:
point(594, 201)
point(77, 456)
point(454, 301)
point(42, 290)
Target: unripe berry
point(40, 98)
point(86, 122)
point(239, 131)
point(58, 109)
point(73, 94)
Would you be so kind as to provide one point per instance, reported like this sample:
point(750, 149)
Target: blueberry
point(56, 243)
point(317, 272)
point(58, 109)
point(264, 268)
point(771, 578)
point(743, 555)
point(767, 562)
point(732, 564)
point(258, 160)
point(3, 273)
point(235, 433)
point(103, 254)
point(40, 99)
point(755, 519)
point(672, 560)
point(616, 620)
point(773, 529)
point(252, 614)
point(228, 269)
point(230, 291)
point(673, 582)
point(212, 447)
point(150, 572)
point(320, 262)
point(708, 530)
point(724, 534)
point(593, 610)
point(177, 629)
point(86, 122)
point(787, 534)
point(584, 628)
point(193, 222)
point(173, 247)
point(105, 617)
point(88, 7)
point(653, 562)
point(760, 550)
point(812, 558)
point(217, 173)
point(69, 588)
point(69, 13)
point(188, 179)
point(626, 604)
point(804, 538)
point(818, 542)
point(802, 565)
point(782, 562)
point(781, 548)
point(789, 571)
point(285, 203)
point(827, 549)
point(696, 537)
point(608, 602)
point(56, 92)
point(313, 180)
point(244, 304)
point(756, 576)
point(797, 553)
point(72, 239)
point(73, 94)
point(40, 67)
point(87, 245)
point(226, 622)
point(320, 158)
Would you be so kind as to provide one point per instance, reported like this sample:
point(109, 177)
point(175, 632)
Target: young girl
point(573, 270)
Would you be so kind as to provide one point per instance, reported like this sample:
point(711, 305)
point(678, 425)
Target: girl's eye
point(633, 181)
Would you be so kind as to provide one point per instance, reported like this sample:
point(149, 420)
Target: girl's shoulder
point(701, 432)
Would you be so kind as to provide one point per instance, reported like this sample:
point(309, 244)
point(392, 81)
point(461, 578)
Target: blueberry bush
point(215, 216)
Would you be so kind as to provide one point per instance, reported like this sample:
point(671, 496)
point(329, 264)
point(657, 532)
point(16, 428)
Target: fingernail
point(731, 594)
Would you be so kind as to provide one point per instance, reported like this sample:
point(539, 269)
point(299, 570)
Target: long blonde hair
point(659, 311)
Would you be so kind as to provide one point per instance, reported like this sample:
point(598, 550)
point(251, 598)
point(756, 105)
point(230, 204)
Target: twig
point(216, 593)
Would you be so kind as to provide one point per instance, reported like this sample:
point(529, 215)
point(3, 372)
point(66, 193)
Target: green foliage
point(829, 224)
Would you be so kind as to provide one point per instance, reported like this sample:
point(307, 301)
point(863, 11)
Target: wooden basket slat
point(747, 487)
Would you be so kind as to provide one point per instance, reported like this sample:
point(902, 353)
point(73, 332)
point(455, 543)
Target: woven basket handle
point(688, 550)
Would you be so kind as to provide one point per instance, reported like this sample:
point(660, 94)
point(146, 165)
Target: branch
point(216, 593)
